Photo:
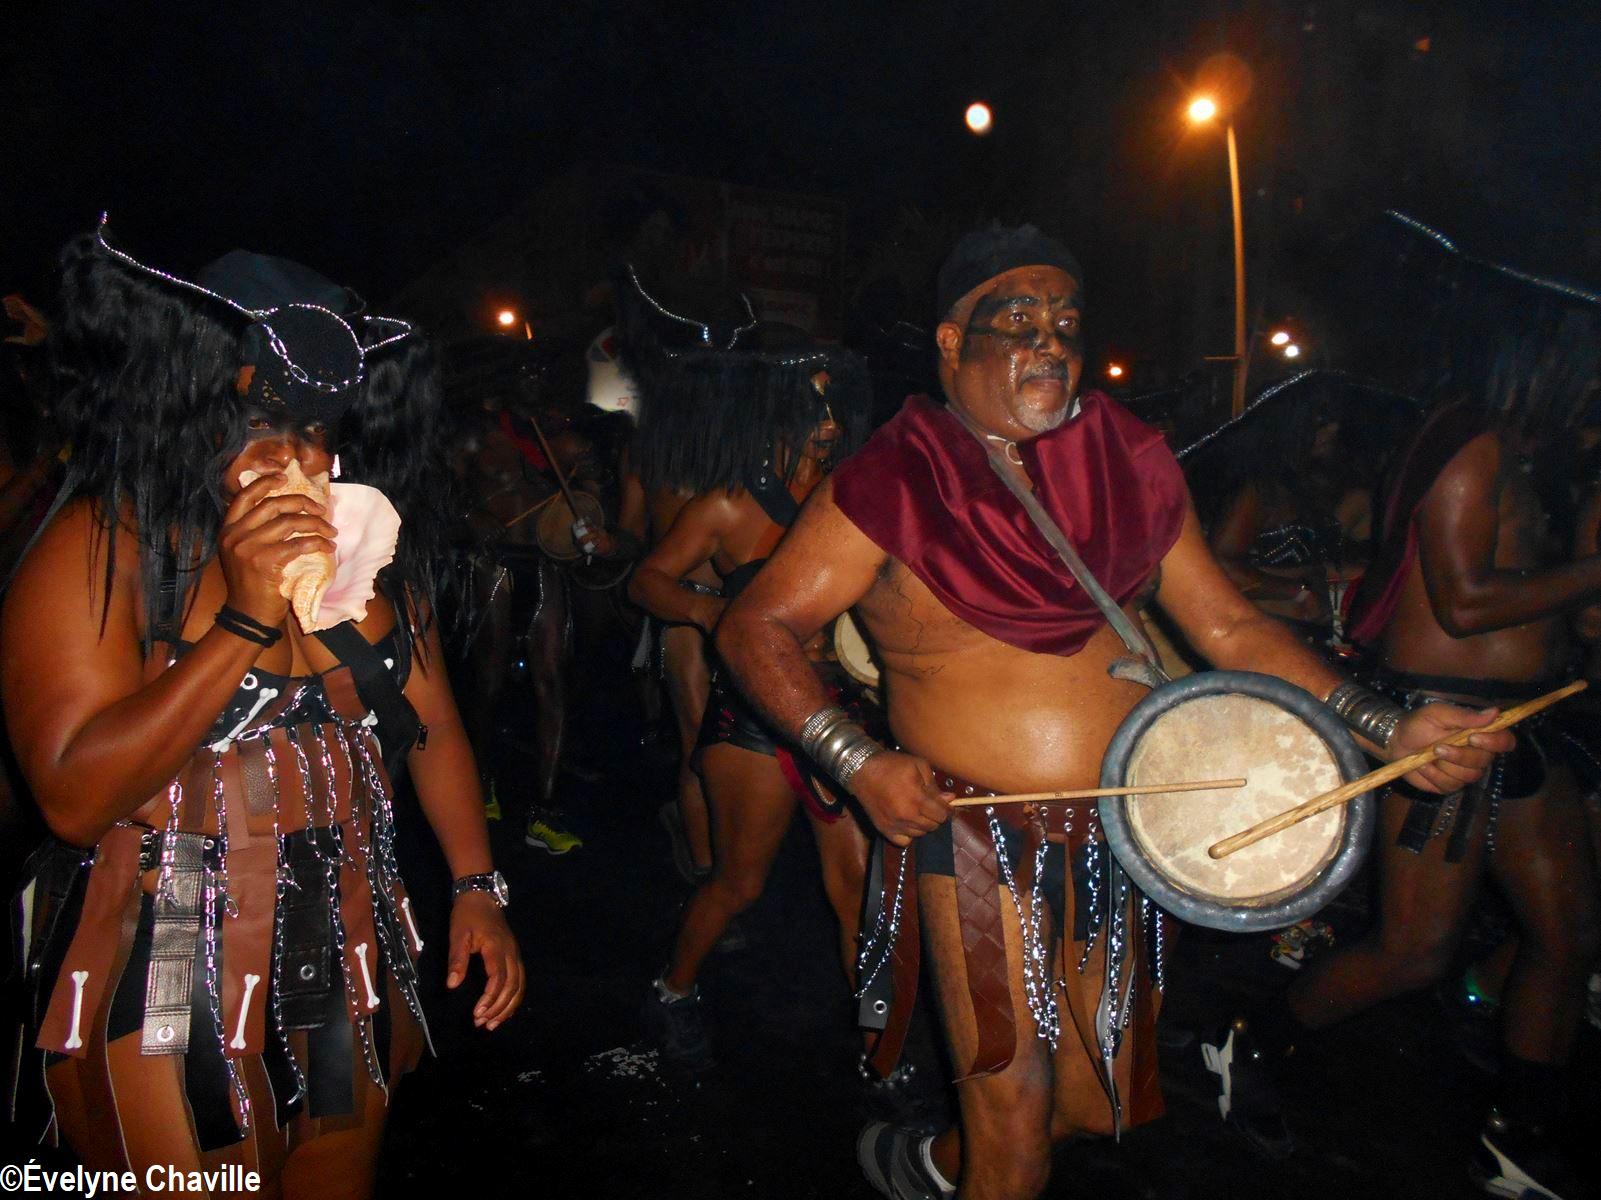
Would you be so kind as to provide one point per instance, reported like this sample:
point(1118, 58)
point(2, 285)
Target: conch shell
point(306, 578)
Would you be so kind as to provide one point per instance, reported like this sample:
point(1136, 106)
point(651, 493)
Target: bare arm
point(445, 773)
point(446, 779)
point(93, 738)
point(696, 535)
point(1226, 628)
point(1457, 524)
point(1231, 633)
point(822, 567)
point(1587, 541)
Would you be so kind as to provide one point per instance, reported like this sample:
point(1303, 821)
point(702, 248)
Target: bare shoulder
point(823, 566)
point(66, 566)
point(1478, 462)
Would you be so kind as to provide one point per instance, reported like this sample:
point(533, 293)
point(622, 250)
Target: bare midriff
point(1007, 719)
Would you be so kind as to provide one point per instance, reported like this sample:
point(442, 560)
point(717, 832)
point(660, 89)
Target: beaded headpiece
point(301, 346)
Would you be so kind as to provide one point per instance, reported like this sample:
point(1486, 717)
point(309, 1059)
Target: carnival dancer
point(1469, 600)
point(788, 413)
point(996, 667)
point(522, 607)
point(220, 951)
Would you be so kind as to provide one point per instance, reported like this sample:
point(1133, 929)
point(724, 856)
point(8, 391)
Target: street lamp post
point(1203, 109)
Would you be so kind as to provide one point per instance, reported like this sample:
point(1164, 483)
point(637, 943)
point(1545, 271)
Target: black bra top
point(309, 702)
point(770, 491)
point(739, 578)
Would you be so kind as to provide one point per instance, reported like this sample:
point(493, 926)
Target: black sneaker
point(1248, 1096)
point(892, 1160)
point(679, 1028)
point(1522, 1163)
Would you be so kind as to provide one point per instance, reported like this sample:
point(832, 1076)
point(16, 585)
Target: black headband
point(985, 253)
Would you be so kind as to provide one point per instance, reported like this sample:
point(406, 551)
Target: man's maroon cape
point(923, 490)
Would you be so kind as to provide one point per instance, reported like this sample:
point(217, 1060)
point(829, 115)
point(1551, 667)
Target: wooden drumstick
point(1386, 773)
point(1192, 785)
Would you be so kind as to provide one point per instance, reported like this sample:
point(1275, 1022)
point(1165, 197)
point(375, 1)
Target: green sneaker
point(546, 833)
point(491, 803)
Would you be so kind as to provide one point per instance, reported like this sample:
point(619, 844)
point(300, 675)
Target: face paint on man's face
point(1022, 350)
point(1027, 322)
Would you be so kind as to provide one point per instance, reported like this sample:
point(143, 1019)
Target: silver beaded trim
point(261, 314)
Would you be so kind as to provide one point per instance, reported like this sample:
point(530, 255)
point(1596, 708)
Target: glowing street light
point(979, 118)
point(506, 318)
point(1292, 351)
point(1114, 371)
point(1280, 338)
point(1203, 109)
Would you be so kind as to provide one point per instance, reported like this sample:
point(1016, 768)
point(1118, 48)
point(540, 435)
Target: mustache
point(1054, 370)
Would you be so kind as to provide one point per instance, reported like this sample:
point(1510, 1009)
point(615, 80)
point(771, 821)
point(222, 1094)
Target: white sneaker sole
point(539, 845)
point(1510, 1180)
point(1219, 1060)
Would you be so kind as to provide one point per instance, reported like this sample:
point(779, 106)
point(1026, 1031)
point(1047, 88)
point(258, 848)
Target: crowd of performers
point(249, 546)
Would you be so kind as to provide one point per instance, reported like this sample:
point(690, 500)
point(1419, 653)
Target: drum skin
point(1227, 724)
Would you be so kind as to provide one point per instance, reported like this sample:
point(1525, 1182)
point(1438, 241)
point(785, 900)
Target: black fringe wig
point(1447, 327)
point(720, 403)
point(143, 383)
point(1272, 440)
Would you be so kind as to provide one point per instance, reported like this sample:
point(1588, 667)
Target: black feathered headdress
point(718, 404)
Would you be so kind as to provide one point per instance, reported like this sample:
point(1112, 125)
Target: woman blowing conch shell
point(323, 588)
point(222, 954)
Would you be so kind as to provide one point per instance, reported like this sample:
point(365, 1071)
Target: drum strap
point(1142, 666)
point(978, 910)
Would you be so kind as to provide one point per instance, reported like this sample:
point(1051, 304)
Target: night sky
point(369, 138)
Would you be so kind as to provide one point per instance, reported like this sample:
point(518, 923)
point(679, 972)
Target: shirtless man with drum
point(995, 669)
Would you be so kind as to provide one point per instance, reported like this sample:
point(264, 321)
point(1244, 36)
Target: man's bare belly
point(1415, 642)
point(1008, 719)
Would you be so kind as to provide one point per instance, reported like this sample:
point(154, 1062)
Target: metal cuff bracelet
point(836, 743)
point(1365, 712)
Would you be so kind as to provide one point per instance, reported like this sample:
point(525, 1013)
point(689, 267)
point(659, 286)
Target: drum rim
point(593, 507)
point(851, 668)
point(1324, 886)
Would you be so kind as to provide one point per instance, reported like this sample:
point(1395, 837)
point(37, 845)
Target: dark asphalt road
point(567, 1100)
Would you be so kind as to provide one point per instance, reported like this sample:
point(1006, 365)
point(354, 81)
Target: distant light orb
point(1114, 371)
point(979, 118)
point(506, 317)
point(1202, 109)
point(1280, 338)
point(1292, 351)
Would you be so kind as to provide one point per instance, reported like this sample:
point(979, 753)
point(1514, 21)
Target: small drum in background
point(1288, 746)
point(553, 529)
point(852, 651)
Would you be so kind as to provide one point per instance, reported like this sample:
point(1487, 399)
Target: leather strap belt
point(978, 911)
point(305, 956)
point(900, 869)
point(169, 981)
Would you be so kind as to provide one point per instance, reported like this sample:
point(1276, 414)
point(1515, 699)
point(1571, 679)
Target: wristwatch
point(492, 882)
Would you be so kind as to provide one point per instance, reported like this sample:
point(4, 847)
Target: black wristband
point(242, 625)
